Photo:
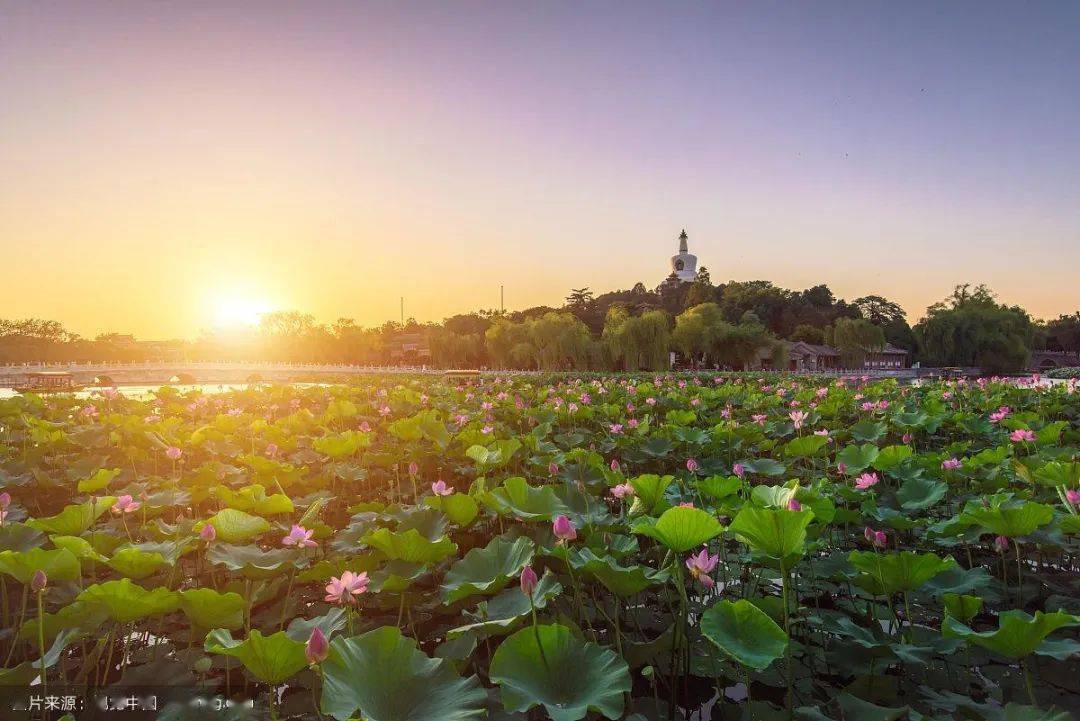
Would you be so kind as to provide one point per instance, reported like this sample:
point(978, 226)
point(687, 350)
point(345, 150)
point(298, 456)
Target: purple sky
point(159, 161)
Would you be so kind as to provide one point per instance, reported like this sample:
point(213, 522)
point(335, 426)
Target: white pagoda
point(684, 264)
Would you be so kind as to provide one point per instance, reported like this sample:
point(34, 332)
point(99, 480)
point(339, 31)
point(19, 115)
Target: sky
point(166, 165)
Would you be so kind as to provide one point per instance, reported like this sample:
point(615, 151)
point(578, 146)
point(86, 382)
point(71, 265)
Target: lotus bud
point(38, 581)
point(553, 468)
point(173, 453)
point(208, 532)
point(880, 539)
point(5, 500)
point(868, 533)
point(615, 465)
point(794, 505)
point(738, 470)
point(528, 581)
point(563, 529)
point(414, 468)
point(1073, 497)
point(317, 646)
point(691, 465)
point(1001, 544)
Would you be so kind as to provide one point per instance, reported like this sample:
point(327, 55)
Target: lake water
point(149, 390)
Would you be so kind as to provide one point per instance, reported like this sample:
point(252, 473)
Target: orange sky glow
point(165, 167)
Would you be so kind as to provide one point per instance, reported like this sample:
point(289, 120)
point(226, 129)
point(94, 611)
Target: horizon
point(166, 168)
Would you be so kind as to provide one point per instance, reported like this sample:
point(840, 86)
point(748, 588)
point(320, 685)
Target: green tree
point(637, 342)
point(970, 328)
point(854, 337)
point(808, 334)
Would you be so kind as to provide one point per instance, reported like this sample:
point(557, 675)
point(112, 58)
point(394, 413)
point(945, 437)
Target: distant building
point(409, 347)
point(684, 264)
point(805, 357)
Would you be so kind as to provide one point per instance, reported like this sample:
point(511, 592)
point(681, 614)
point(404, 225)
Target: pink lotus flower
point(208, 533)
point(615, 428)
point(1001, 544)
point(623, 490)
point(1073, 497)
point(553, 468)
point(564, 530)
point(686, 504)
point(950, 464)
point(528, 581)
point(299, 537)
point(1000, 414)
point(907, 438)
point(866, 480)
point(739, 470)
point(173, 453)
point(125, 504)
point(841, 468)
point(759, 418)
point(439, 488)
point(5, 500)
point(880, 539)
point(614, 465)
point(345, 589)
point(798, 418)
point(38, 581)
point(822, 432)
point(271, 449)
point(794, 505)
point(317, 648)
point(692, 465)
point(701, 565)
point(1022, 435)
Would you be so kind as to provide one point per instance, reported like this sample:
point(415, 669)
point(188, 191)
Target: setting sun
point(232, 311)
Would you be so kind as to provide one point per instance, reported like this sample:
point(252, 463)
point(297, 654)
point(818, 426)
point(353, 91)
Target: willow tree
point(560, 342)
point(855, 337)
point(697, 331)
point(637, 342)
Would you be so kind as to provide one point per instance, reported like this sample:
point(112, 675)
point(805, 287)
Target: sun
point(232, 311)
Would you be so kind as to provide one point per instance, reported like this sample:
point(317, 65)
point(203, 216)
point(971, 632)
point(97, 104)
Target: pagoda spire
point(682, 242)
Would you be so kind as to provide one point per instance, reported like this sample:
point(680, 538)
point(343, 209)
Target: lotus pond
point(529, 547)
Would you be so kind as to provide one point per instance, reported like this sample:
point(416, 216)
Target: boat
point(49, 382)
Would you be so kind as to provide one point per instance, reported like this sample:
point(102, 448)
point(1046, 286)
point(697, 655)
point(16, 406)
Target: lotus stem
point(41, 640)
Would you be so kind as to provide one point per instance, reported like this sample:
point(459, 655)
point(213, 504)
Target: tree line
point(730, 325)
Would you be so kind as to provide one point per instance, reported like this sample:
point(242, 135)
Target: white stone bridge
point(160, 373)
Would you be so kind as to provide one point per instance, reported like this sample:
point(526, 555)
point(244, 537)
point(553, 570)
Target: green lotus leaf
point(1069, 524)
point(649, 491)
point(253, 499)
point(962, 607)
point(460, 508)
point(718, 488)
point(250, 560)
point(1059, 473)
point(867, 431)
point(1017, 634)
point(271, 659)
point(383, 676)
point(569, 677)
point(59, 564)
point(98, 479)
point(125, 601)
point(622, 581)
point(517, 498)
point(410, 545)
point(25, 673)
point(136, 563)
point(1061, 649)
point(1011, 522)
point(329, 623)
point(16, 536)
point(805, 446)
point(487, 570)
point(888, 573)
point(77, 618)
point(891, 456)
point(397, 575)
point(857, 458)
point(81, 547)
point(779, 534)
point(744, 632)
point(341, 445)
point(235, 526)
point(75, 519)
point(502, 613)
point(680, 529)
point(854, 708)
point(206, 608)
point(919, 493)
